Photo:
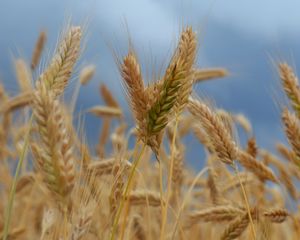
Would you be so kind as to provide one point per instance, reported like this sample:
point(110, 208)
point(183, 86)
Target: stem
point(161, 184)
point(65, 223)
point(246, 201)
point(126, 211)
point(165, 209)
point(187, 195)
point(126, 192)
point(14, 184)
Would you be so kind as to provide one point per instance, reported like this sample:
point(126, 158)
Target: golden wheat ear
point(86, 74)
point(220, 138)
point(38, 49)
point(108, 97)
point(278, 215)
point(237, 227)
point(207, 74)
point(134, 85)
point(256, 167)
point(290, 85)
point(54, 156)
point(284, 176)
point(215, 214)
point(292, 130)
point(24, 76)
point(176, 85)
point(58, 73)
point(187, 50)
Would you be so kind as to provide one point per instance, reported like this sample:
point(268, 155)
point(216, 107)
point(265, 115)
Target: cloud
point(266, 18)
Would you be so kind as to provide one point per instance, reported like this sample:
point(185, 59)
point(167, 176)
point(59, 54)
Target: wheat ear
point(207, 74)
point(138, 228)
point(87, 74)
point(38, 49)
point(219, 137)
point(57, 74)
point(176, 84)
point(24, 76)
point(276, 215)
point(56, 159)
point(144, 198)
point(292, 131)
point(256, 167)
point(237, 227)
point(290, 85)
point(215, 214)
point(186, 54)
point(132, 78)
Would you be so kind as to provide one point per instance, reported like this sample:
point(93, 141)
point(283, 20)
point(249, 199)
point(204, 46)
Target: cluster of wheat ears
point(54, 186)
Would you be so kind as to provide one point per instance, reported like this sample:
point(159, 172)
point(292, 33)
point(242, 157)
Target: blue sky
point(246, 37)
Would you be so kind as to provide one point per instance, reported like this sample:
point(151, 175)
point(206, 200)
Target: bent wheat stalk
point(126, 192)
point(14, 184)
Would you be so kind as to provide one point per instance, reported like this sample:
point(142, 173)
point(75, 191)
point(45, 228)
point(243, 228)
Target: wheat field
point(54, 185)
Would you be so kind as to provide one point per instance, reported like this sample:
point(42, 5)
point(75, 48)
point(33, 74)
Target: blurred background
point(246, 37)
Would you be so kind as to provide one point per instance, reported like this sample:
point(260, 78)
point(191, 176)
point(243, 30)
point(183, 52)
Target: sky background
point(246, 37)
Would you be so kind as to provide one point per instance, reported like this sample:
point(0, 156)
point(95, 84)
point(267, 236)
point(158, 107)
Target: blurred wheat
point(66, 189)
